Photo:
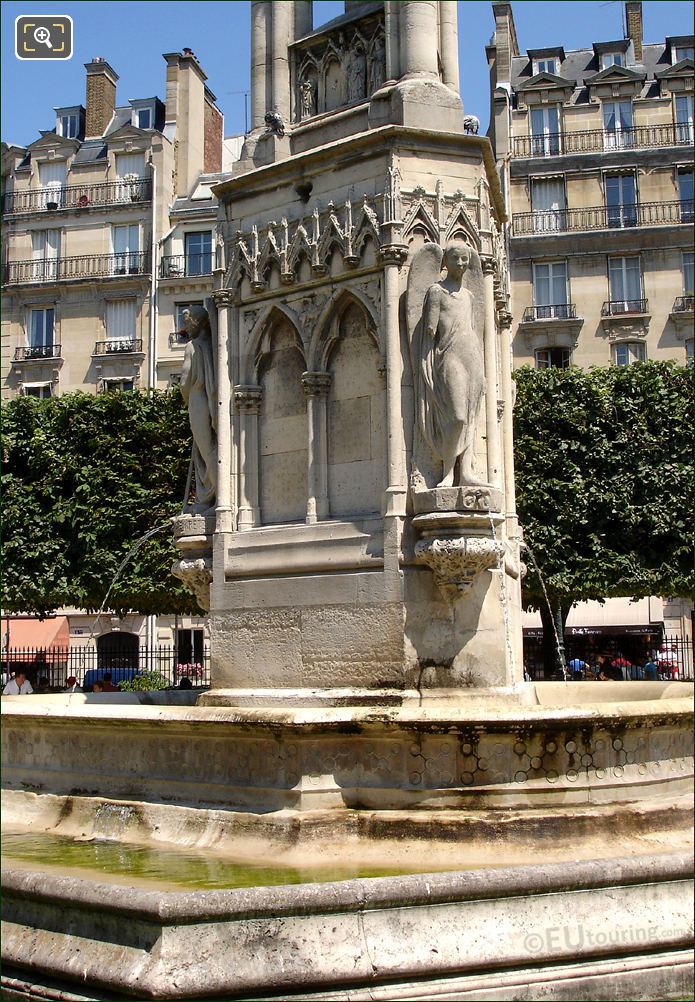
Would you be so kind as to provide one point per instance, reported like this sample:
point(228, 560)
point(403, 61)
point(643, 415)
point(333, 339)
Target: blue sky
point(133, 35)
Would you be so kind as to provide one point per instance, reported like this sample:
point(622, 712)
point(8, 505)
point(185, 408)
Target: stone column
point(303, 18)
point(508, 392)
point(225, 509)
point(396, 491)
point(392, 39)
point(282, 21)
point(419, 38)
point(316, 386)
point(248, 401)
point(490, 347)
point(260, 43)
point(448, 43)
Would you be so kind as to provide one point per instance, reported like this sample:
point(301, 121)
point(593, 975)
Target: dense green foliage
point(605, 480)
point(83, 477)
point(148, 681)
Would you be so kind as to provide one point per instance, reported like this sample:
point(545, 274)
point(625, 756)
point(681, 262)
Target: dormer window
point(682, 52)
point(68, 126)
point(548, 65)
point(142, 118)
point(612, 59)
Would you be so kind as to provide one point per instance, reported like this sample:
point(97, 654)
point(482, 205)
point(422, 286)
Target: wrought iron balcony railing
point(615, 307)
point(186, 265)
point(78, 196)
point(28, 352)
point(684, 304)
point(560, 311)
point(602, 217)
point(118, 346)
point(600, 141)
point(65, 269)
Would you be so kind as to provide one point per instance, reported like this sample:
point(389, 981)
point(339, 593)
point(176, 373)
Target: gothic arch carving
point(460, 226)
point(419, 218)
point(261, 337)
point(326, 333)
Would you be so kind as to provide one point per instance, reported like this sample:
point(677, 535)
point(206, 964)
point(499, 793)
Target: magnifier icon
point(43, 36)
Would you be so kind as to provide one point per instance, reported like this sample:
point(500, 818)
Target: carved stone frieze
point(456, 561)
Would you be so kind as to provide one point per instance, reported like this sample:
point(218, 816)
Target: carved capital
point(393, 254)
point(224, 297)
point(248, 398)
point(316, 384)
point(488, 265)
point(457, 561)
point(197, 576)
point(505, 318)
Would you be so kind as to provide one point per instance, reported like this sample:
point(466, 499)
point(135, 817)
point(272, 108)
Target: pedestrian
point(18, 686)
point(97, 685)
point(578, 668)
point(70, 683)
point(108, 685)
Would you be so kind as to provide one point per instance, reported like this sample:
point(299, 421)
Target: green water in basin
point(102, 859)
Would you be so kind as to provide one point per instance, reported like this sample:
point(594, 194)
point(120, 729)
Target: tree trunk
point(553, 620)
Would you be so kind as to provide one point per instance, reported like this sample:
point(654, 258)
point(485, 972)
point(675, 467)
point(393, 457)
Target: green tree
point(604, 484)
point(83, 478)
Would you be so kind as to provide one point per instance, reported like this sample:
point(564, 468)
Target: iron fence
point(683, 304)
point(186, 265)
point(602, 217)
point(118, 346)
point(603, 140)
point(614, 307)
point(621, 657)
point(560, 311)
point(28, 352)
point(78, 196)
point(86, 664)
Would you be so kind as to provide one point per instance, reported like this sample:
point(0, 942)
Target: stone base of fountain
point(599, 790)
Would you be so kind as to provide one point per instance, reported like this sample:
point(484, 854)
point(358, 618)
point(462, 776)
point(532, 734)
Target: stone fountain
point(354, 537)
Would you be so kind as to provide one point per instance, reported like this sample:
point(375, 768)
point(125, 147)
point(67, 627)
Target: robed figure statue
point(199, 389)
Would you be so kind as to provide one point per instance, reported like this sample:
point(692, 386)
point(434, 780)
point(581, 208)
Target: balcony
point(118, 346)
point(683, 304)
point(561, 311)
point(66, 269)
point(35, 352)
point(77, 196)
point(602, 217)
point(186, 265)
point(620, 307)
point(641, 137)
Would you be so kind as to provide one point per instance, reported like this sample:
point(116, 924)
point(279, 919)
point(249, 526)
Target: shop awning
point(29, 632)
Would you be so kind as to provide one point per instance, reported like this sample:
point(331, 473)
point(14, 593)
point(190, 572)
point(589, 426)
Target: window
point(130, 163)
point(553, 358)
point(45, 254)
point(684, 118)
point(545, 65)
point(69, 126)
point(42, 391)
point(180, 330)
point(115, 384)
point(143, 118)
point(126, 249)
point(121, 317)
point(625, 285)
point(629, 352)
point(189, 648)
point(52, 178)
point(545, 130)
point(683, 52)
point(612, 59)
point(41, 333)
point(621, 200)
point(550, 290)
point(548, 204)
point(685, 195)
point(617, 124)
point(688, 273)
point(199, 253)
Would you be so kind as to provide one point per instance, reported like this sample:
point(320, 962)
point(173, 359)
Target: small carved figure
point(471, 124)
point(275, 124)
point(447, 357)
point(199, 390)
point(357, 76)
point(306, 93)
point(377, 64)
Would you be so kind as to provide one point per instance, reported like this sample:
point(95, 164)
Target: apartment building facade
point(86, 210)
point(595, 150)
point(595, 153)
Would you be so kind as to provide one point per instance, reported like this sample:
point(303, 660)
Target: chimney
point(101, 96)
point(633, 19)
point(185, 109)
point(506, 43)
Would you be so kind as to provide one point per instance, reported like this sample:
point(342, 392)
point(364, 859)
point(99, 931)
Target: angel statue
point(199, 390)
point(447, 358)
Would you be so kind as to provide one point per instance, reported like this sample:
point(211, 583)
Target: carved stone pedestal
point(193, 539)
point(458, 545)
